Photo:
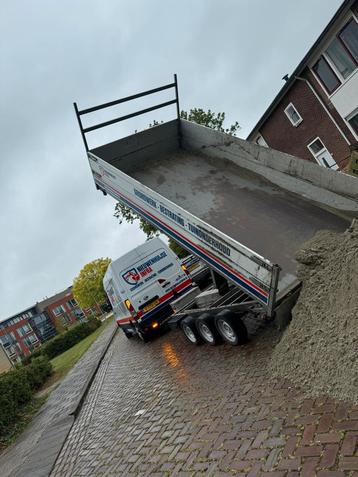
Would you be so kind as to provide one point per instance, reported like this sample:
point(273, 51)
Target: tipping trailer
point(243, 209)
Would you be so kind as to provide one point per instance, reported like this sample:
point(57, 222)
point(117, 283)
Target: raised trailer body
point(242, 208)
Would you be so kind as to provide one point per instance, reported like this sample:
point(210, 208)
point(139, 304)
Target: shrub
point(17, 388)
point(37, 372)
point(61, 343)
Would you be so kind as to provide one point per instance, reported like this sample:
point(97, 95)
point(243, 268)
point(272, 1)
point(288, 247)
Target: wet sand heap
point(319, 349)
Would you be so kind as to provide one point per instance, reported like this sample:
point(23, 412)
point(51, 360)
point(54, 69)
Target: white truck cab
point(141, 284)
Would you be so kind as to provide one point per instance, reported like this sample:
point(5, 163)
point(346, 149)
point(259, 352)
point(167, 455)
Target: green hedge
point(17, 388)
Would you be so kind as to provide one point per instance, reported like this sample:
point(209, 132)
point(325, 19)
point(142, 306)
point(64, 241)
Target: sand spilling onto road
point(319, 349)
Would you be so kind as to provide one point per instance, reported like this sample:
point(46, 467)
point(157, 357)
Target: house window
point(58, 310)
point(349, 37)
point(353, 121)
point(23, 330)
point(293, 115)
point(30, 340)
point(326, 75)
point(321, 154)
point(340, 58)
point(72, 303)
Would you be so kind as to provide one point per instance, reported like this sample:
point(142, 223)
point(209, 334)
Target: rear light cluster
point(185, 269)
point(129, 305)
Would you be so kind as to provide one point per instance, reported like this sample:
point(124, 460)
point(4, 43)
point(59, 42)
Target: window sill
point(297, 124)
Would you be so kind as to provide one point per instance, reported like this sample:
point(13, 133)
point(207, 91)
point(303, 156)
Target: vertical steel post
point(80, 125)
point(273, 289)
point(180, 135)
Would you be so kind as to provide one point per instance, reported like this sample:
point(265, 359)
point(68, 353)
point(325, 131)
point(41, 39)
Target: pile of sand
point(319, 349)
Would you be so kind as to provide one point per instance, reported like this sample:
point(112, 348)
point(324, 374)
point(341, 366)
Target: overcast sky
point(229, 55)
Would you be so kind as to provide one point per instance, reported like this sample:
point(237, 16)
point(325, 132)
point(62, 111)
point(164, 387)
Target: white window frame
point(61, 312)
point(324, 149)
point(350, 116)
point(291, 105)
point(323, 53)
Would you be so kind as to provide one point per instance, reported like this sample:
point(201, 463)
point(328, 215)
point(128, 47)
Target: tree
point(88, 285)
point(177, 249)
point(197, 115)
point(211, 120)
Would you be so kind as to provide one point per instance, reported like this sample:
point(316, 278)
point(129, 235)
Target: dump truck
point(243, 209)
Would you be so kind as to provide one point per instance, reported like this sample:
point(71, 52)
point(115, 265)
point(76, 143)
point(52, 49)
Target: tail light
point(129, 305)
point(185, 270)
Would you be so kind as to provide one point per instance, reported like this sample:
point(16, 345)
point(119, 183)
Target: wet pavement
point(170, 408)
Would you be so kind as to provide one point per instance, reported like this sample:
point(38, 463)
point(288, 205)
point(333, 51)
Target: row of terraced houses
point(24, 332)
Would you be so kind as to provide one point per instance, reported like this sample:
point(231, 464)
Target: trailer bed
point(243, 209)
point(242, 204)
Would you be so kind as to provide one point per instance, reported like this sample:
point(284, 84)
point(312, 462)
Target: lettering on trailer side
point(145, 198)
point(209, 239)
point(172, 215)
point(193, 229)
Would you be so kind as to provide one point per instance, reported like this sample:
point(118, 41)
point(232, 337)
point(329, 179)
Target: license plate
point(151, 306)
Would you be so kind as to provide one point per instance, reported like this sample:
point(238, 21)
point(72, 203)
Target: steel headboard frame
point(84, 131)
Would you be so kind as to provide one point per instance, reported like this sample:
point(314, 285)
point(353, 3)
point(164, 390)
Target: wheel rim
point(189, 333)
point(206, 333)
point(226, 330)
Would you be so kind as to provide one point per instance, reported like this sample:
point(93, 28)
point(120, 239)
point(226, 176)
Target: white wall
point(345, 99)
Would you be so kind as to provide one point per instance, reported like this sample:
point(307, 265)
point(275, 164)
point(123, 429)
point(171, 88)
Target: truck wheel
point(143, 336)
point(206, 329)
point(189, 330)
point(231, 328)
point(128, 334)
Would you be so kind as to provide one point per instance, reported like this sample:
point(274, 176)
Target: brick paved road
point(169, 408)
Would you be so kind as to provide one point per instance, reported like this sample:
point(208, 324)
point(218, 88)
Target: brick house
point(315, 115)
point(24, 332)
point(17, 336)
point(63, 308)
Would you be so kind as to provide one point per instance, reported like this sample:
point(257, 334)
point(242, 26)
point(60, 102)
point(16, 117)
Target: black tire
point(189, 330)
point(145, 337)
point(231, 328)
point(206, 328)
point(128, 334)
point(142, 335)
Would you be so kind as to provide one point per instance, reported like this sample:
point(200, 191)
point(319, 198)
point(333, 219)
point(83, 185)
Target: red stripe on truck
point(183, 285)
point(123, 321)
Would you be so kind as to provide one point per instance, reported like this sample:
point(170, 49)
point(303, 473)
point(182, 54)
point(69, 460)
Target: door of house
point(321, 154)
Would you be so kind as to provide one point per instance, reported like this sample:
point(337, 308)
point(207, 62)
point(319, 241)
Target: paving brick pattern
point(169, 408)
point(35, 452)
